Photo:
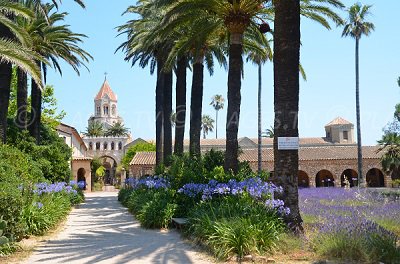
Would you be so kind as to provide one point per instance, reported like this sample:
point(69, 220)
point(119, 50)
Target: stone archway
point(324, 178)
point(375, 178)
point(351, 176)
point(110, 165)
point(303, 180)
point(82, 176)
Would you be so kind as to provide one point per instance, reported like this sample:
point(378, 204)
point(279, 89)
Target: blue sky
point(327, 58)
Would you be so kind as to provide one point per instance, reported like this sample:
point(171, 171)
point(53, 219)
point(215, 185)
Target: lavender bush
point(352, 224)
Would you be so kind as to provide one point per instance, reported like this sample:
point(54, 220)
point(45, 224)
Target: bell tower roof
point(106, 90)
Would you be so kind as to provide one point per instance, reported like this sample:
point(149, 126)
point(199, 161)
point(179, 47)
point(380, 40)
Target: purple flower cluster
point(152, 182)
point(255, 187)
point(39, 205)
point(44, 187)
point(349, 210)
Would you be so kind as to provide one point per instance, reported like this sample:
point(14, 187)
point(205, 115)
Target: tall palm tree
point(207, 125)
point(144, 47)
point(286, 97)
point(390, 145)
point(53, 42)
point(217, 101)
point(13, 41)
point(236, 17)
point(117, 130)
point(94, 129)
point(355, 27)
point(13, 53)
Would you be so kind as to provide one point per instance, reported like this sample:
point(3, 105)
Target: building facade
point(327, 161)
point(80, 162)
point(110, 150)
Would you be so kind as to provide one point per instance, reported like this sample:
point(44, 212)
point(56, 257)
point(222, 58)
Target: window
point(97, 145)
point(105, 110)
point(346, 135)
point(65, 139)
point(120, 145)
point(328, 134)
point(113, 110)
point(90, 145)
point(112, 146)
point(105, 145)
point(98, 112)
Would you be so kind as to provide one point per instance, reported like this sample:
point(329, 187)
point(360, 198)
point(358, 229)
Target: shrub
point(123, 195)
point(11, 204)
point(356, 239)
point(235, 225)
point(6, 246)
point(158, 211)
point(17, 167)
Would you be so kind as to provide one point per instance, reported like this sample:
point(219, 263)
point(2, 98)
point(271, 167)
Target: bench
point(179, 222)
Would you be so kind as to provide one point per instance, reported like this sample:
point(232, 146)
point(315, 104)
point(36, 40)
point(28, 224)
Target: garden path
point(102, 231)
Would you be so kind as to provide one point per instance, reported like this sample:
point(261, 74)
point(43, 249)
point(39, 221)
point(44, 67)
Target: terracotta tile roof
point(317, 153)
point(71, 131)
point(339, 121)
point(144, 158)
point(106, 90)
point(303, 141)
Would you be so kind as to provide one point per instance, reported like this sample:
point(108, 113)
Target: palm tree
point(53, 42)
point(286, 97)
point(235, 17)
point(94, 129)
point(217, 101)
point(355, 27)
point(13, 53)
point(142, 46)
point(207, 125)
point(13, 40)
point(117, 130)
point(390, 145)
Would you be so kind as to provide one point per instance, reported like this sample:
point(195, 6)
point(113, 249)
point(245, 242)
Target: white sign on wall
point(288, 143)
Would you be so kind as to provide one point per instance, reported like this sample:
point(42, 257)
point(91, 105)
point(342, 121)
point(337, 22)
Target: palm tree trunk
point(167, 108)
point(359, 146)
point(286, 104)
point(216, 124)
point(159, 112)
point(204, 133)
point(22, 99)
point(259, 120)
point(180, 105)
point(5, 83)
point(196, 104)
point(36, 111)
point(5, 86)
point(234, 100)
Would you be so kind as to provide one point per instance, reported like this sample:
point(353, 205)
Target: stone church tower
point(106, 107)
point(110, 149)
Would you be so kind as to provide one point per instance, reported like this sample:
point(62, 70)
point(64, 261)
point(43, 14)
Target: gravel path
point(102, 231)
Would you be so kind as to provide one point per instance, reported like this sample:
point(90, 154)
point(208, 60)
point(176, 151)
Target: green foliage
point(212, 159)
point(6, 246)
point(371, 249)
point(131, 152)
point(94, 129)
point(52, 155)
point(235, 226)
point(39, 219)
point(117, 130)
point(153, 208)
point(17, 167)
point(50, 115)
point(11, 204)
point(158, 211)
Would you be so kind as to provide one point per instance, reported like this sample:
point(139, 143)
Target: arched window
point(90, 146)
point(113, 110)
point(105, 145)
point(98, 111)
point(112, 145)
point(120, 145)
point(105, 110)
point(97, 145)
